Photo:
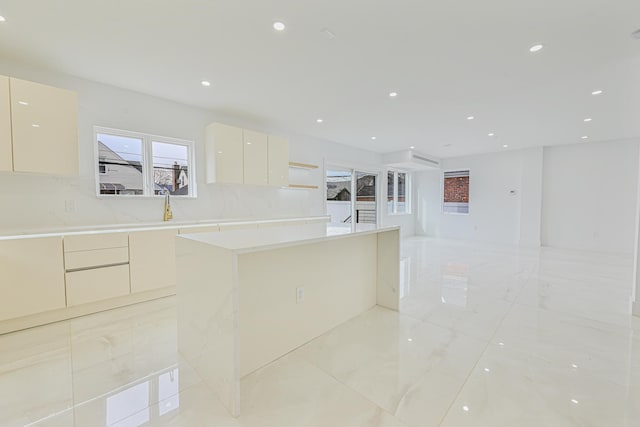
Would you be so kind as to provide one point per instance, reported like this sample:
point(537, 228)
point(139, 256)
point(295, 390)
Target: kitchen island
point(247, 297)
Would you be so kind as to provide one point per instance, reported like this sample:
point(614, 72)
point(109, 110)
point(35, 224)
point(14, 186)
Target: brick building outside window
point(456, 192)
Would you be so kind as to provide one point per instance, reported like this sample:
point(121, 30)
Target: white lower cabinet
point(31, 276)
point(152, 257)
point(97, 284)
point(97, 267)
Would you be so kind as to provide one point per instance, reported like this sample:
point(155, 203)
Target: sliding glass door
point(347, 212)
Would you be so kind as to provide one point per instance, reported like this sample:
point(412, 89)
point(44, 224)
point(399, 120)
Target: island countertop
point(245, 241)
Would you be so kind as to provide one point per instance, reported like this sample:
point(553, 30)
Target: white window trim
point(407, 192)
point(442, 211)
point(147, 162)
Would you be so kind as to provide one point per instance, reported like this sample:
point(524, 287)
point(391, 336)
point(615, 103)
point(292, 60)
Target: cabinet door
point(224, 151)
point(44, 122)
point(152, 259)
point(255, 158)
point(6, 154)
point(32, 276)
point(278, 161)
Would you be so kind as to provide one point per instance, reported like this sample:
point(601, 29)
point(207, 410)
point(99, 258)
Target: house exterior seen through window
point(456, 192)
point(134, 164)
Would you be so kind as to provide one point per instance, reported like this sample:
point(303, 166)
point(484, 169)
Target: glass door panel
point(366, 211)
point(339, 200)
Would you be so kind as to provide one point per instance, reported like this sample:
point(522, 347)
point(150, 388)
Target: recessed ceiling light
point(575, 401)
point(278, 26)
point(465, 408)
point(505, 146)
point(597, 92)
point(410, 339)
point(470, 118)
point(393, 94)
point(536, 48)
point(585, 137)
point(205, 83)
point(487, 370)
point(491, 134)
point(23, 103)
point(574, 366)
point(35, 125)
point(373, 138)
point(412, 147)
point(219, 152)
point(2, 19)
point(588, 119)
point(501, 344)
point(319, 120)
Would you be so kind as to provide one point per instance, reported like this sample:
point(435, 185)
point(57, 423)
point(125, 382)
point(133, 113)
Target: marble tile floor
point(486, 336)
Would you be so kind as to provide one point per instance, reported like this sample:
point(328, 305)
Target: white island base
point(248, 297)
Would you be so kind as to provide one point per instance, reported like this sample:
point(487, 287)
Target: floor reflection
point(516, 337)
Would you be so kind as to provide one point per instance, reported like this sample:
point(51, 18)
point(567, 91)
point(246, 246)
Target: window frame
point(407, 192)
point(147, 162)
point(442, 211)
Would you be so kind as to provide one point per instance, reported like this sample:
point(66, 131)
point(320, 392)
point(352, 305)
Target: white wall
point(590, 196)
point(32, 201)
point(580, 196)
point(500, 188)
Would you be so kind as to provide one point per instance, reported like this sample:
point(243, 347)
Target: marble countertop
point(141, 226)
point(245, 241)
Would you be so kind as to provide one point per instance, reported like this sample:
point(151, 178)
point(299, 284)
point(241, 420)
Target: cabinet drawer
point(96, 258)
point(97, 284)
point(87, 242)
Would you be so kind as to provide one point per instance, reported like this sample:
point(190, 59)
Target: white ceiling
point(446, 59)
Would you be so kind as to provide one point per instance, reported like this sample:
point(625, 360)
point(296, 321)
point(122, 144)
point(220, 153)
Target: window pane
point(120, 164)
point(402, 189)
point(390, 191)
point(170, 168)
point(456, 192)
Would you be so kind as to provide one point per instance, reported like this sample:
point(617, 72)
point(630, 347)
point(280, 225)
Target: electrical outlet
point(299, 294)
point(70, 206)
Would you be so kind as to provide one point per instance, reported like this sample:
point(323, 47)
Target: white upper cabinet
point(6, 154)
point(225, 154)
point(44, 124)
point(255, 158)
point(243, 156)
point(278, 161)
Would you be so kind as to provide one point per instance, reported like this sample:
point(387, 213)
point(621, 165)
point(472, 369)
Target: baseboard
point(47, 317)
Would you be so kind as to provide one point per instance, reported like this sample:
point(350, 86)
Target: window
point(131, 163)
point(398, 192)
point(456, 192)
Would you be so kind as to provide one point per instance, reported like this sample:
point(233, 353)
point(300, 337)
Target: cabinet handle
point(94, 267)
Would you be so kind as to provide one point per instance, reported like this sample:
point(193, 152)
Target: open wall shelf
point(303, 176)
point(302, 165)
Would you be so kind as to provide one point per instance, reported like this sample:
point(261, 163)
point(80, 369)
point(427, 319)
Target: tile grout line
point(329, 374)
point(472, 370)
